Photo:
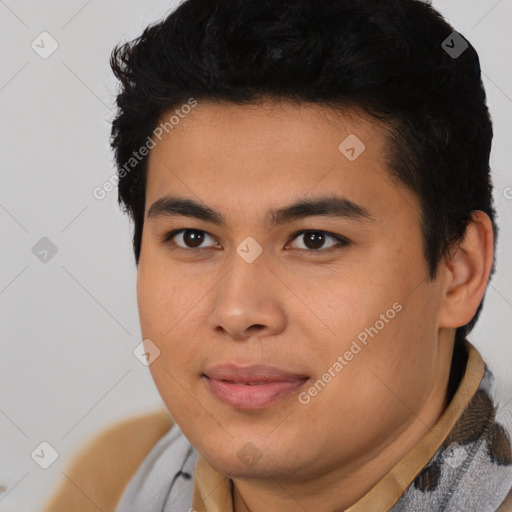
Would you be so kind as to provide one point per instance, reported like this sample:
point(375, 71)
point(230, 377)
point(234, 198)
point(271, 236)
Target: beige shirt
point(95, 478)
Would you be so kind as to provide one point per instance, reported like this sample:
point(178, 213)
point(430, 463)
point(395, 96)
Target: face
point(292, 340)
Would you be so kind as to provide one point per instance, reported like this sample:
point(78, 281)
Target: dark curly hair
point(384, 58)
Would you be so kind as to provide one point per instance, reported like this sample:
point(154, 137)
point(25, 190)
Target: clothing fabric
point(464, 463)
point(95, 476)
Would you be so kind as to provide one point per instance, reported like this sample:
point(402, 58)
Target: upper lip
point(252, 373)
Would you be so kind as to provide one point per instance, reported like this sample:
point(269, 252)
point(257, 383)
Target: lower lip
point(258, 396)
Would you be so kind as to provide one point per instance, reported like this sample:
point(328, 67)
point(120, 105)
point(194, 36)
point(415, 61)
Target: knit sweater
point(464, 463)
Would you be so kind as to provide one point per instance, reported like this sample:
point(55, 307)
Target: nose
point(249, 301)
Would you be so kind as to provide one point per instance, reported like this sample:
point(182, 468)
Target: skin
point(299, 311)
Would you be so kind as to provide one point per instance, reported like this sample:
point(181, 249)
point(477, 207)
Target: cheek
point(367, 396)
point(351, 307)
point(160, 298)
point(380, 331)
point(151, 304)
point(167, 309)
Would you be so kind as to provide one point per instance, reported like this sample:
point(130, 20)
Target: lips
point(252, 387)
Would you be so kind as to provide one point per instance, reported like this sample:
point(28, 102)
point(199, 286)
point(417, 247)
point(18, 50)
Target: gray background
point(70, 324)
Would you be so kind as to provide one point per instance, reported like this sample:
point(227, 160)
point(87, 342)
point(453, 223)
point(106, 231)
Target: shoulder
point(98, 473)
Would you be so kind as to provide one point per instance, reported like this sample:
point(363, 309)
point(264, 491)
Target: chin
point(247, 461)
point(234, 468)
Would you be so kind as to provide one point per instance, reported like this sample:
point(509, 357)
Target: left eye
point(313, 239)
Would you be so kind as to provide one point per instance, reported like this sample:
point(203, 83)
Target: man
point(314, 233)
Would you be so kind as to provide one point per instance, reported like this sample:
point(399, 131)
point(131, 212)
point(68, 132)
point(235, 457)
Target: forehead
point(237, 158)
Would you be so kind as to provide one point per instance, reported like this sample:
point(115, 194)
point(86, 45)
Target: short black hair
point(389, 59)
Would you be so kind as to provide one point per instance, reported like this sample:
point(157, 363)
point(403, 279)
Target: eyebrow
point(325, 206)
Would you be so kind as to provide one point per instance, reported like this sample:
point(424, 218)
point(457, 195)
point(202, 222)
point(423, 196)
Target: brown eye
point(187, 239)
point(314, 240)
point(193, 238)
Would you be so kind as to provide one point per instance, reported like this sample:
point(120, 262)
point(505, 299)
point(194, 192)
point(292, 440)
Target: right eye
point(190, 239)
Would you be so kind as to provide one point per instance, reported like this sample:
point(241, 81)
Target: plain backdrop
point(67, 283)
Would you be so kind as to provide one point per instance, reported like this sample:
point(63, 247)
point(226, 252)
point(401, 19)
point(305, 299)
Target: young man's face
point(350, 331)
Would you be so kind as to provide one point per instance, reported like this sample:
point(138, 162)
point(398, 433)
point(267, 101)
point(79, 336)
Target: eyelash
point(342, 241)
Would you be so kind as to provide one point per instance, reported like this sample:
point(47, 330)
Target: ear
point(466, 272)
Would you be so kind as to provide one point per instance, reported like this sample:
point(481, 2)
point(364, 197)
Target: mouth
point(252, 387)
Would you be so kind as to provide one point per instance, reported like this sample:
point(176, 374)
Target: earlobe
point(467, 271)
